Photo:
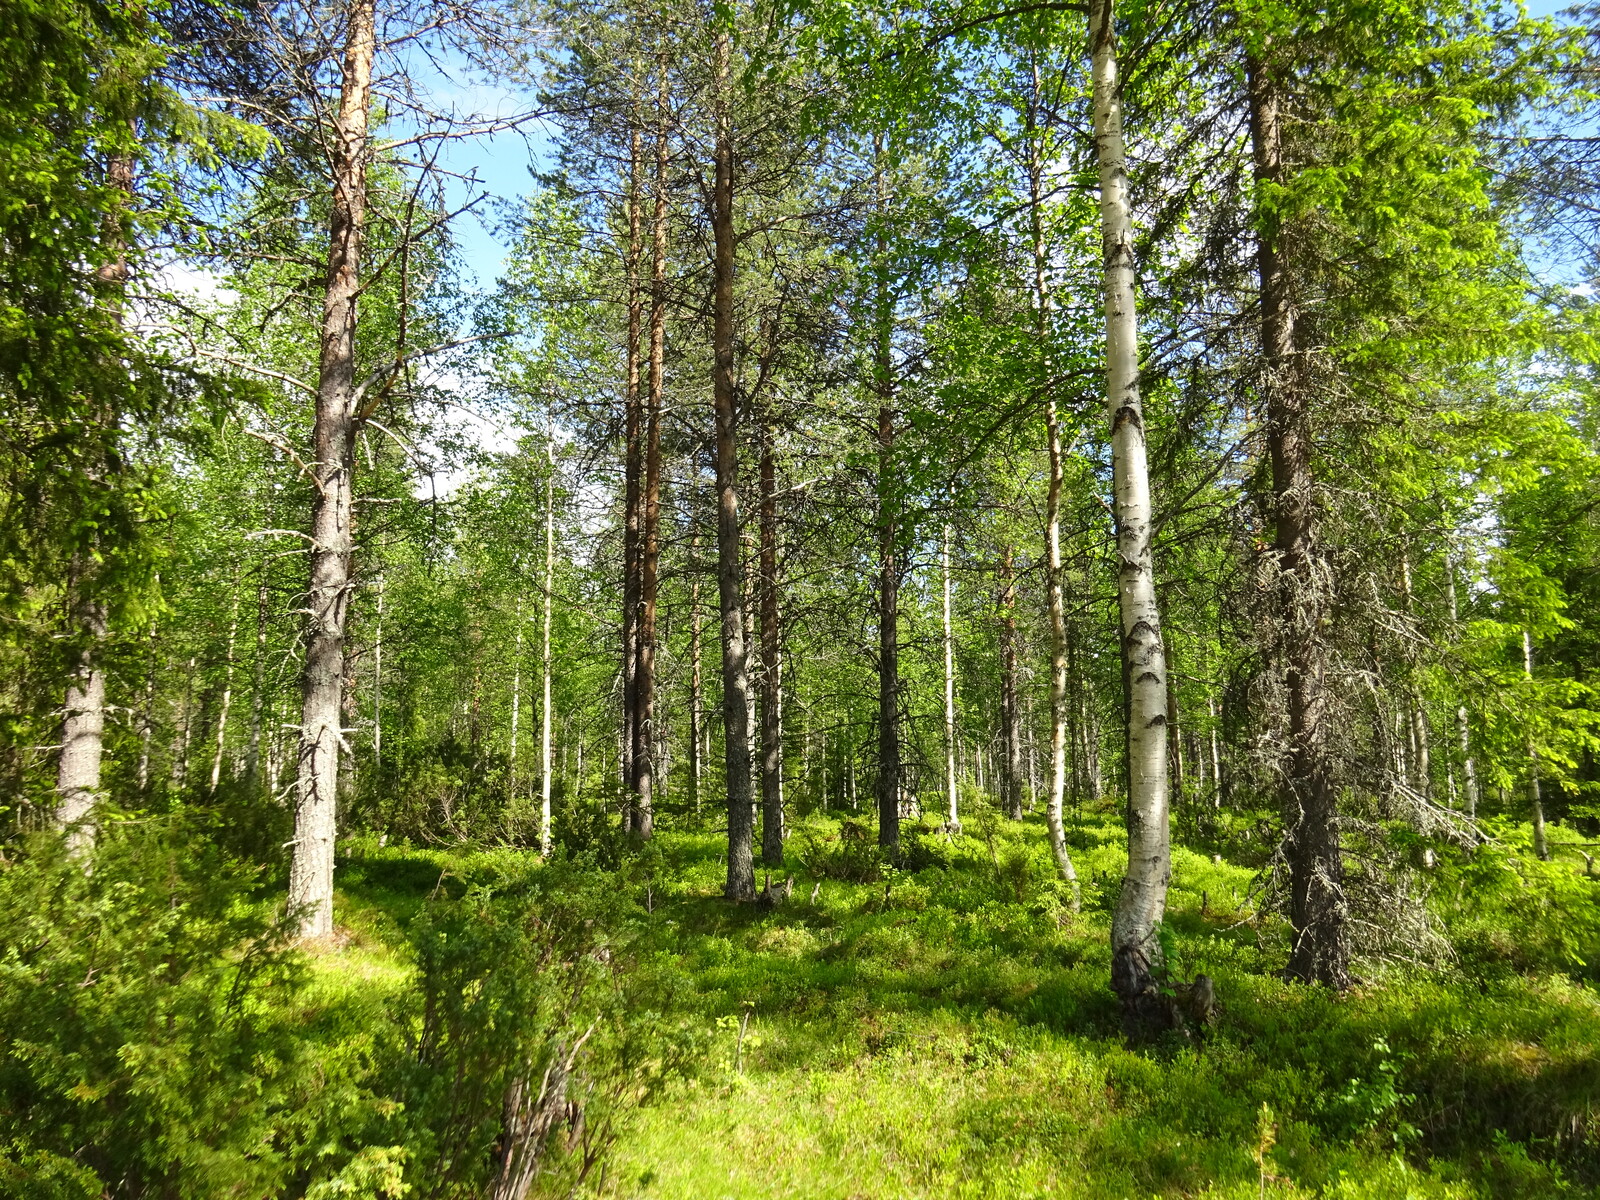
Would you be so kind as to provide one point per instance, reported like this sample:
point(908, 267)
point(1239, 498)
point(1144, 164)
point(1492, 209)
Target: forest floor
point(946, 1030)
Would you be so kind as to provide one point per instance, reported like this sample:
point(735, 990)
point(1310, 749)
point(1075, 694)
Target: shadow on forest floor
point(949, 1031)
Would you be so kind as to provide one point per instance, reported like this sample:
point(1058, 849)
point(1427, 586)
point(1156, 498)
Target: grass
point(948, 1032)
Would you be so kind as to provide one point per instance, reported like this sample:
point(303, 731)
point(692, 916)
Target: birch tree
point(1136, 951)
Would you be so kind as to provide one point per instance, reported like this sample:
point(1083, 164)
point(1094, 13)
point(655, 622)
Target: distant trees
point(821, 312)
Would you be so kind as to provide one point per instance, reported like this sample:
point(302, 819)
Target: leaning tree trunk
point(332, 463)
point(741, 881)
point(83, 715)
point(1136, 952)
point(1321, 950)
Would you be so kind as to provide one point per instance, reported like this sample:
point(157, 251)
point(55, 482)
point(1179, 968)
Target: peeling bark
point(1136, 951)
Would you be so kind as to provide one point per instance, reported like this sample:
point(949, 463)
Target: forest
point(799, 598)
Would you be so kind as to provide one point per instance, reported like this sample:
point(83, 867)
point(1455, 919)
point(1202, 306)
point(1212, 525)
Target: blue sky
point(504, 163)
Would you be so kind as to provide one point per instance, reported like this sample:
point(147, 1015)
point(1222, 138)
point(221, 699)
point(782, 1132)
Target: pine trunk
point(633, 490)
point(332, 462)
point(644, 730)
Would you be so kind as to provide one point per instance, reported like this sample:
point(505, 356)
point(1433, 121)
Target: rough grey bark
point(332, 464)
point(1136, 952)
point(1316, 862)
point(741, 880)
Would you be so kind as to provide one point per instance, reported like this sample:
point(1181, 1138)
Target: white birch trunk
point(549, 591)
point(1469, 769)
point(953, 816)
point(227, 690)
point(1142, 903)
point(1541, 848)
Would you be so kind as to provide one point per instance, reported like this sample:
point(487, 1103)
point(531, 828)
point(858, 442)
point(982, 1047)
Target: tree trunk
point(696, 688)
point(952, 811)
point(644, 730)
point(147, 718)
point(1010, 731)
point(1216, 755)
point(545, 660)
point(771, 661)
point(888, 782)
point(633, 468)
point(1321, 950)
point(1541, 848)
point(333, 459)
point(1052, 533)
point(1469, 769)
point(1058, 659)
point(227, 690)
point(1136, 952)
point(741, 880)
point(82, 733)
point(258, 694)
point(377, 684)
point(1174, 739)
point(83, 714)
point(516, 697)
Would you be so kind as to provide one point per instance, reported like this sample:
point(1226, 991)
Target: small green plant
point(1374, 1103)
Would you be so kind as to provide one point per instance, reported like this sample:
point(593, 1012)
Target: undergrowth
point(931, 1023)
